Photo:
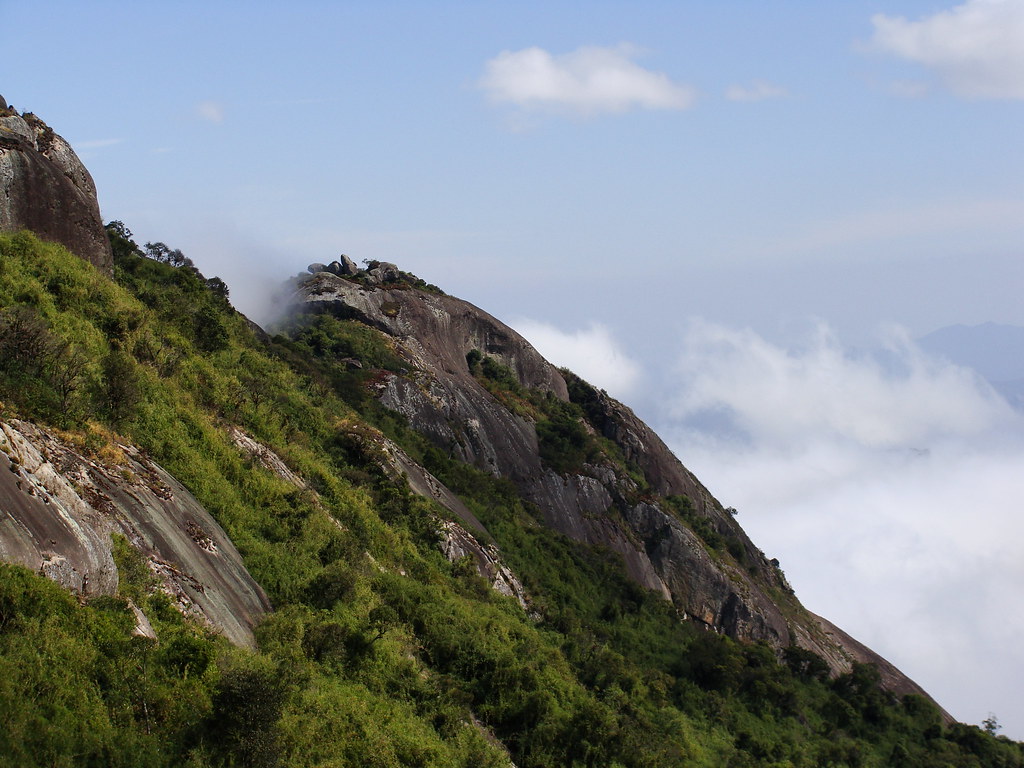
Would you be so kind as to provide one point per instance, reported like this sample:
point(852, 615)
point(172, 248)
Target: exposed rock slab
point(58, 510)
point(265, 457)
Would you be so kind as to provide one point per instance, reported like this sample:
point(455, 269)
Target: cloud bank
point(822, 392)
point(588, 81)
point(976, 48)
point(888, 485)
point(592, 354)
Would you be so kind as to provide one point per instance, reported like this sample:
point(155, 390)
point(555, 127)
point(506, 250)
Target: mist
point(888, 484)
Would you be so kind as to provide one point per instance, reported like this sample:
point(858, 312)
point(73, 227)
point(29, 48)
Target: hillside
point(388, 534)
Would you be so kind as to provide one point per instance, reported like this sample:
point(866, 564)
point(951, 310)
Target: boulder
point(348, 267)
point(384, 272)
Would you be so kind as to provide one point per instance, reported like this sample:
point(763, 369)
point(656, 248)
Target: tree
point(991, 724)
point(158, 252)
point(122, 386)
point(217, 287)
point(25, 341)
point(246, 708)
point(65, 374)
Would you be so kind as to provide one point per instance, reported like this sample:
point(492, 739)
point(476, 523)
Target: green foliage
point(242, 725)
point(77, 688)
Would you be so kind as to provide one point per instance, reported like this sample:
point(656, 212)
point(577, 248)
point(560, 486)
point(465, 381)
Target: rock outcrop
point(45, 188)
point(455, 539)
point(59, 508)
point(662, 530)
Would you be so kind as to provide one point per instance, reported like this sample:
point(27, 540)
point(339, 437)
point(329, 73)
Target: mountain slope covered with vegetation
point(379, 650)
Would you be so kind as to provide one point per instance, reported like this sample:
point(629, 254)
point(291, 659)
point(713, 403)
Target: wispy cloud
point(97, 143)
point(211, 111)
point(889, 486)
point(975, 48)
point(591, 353)
point(588, 81)
point(759, 90)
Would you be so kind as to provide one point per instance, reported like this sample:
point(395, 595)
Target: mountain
point(597, 474)
point(387, 532)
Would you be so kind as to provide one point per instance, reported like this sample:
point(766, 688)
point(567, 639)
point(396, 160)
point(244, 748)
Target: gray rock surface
point(384, 272)
point(265, 457)
point(347, 266)
point(457, 543)
point(45, 188)
point(58, 510)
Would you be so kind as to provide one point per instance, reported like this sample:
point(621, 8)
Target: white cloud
point(822, 392)
point(212, 111)
point(759, 90)
point(587, 81)
point(890, 491)
point(977, 48)
point(98, 143)
point(591, 354)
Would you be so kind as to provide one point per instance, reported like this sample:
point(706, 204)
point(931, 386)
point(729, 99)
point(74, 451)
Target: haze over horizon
point(715, 211)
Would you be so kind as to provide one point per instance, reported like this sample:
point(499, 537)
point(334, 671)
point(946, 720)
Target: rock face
point(59, 508)
point(662, 534)
point(45, 188)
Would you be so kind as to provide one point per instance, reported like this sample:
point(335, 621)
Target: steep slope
point(629, 493)
point(45, 188)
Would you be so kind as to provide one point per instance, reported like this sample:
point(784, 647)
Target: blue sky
point(650, 191)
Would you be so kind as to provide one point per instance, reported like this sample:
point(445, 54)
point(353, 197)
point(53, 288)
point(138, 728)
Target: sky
point(734, 216)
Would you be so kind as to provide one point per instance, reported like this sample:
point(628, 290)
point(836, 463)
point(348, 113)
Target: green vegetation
point(379, 651)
